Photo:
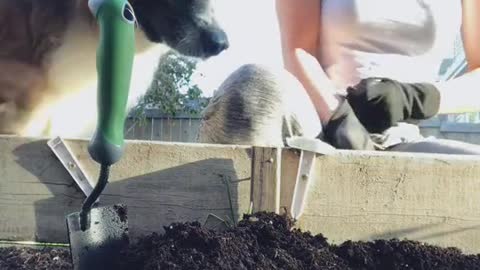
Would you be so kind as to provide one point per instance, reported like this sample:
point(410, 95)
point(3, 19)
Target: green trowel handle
point(115, 54)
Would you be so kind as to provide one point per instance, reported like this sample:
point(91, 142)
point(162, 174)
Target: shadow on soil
point(184, 193)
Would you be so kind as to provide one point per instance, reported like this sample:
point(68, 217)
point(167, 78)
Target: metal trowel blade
point(99, 246)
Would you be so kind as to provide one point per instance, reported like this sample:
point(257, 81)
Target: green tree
point(172, 91)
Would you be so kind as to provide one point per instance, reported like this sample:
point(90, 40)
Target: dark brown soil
point(38, 259)
point(262, 241)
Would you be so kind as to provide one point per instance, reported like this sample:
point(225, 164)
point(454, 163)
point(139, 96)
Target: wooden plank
point(290, 163)
point(157, 129)
point(161, 183)
point(194, 127)
point(129, 128)
point(460, 127)
point(381, 195)
point(159, 126)
point(165, 130)
point(266, 172)
point(175, 130)
point(141, 131)
point(357, 195)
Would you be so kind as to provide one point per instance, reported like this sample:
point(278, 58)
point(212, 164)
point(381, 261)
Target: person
point(358, 74)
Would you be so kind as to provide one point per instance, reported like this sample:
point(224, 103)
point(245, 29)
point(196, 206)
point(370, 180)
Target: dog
point(48, 76)
point(259, 105)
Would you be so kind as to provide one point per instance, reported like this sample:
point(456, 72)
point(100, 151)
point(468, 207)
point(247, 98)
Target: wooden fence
point(180, 129)
point(184, 129)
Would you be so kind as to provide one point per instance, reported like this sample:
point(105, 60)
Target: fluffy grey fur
point(258, 106)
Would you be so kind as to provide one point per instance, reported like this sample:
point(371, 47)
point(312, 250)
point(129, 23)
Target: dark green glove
point(344, 131)
point(381, 103)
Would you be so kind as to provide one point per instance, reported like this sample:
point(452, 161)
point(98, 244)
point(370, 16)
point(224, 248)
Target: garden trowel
point(98, 234)
point(309, 148)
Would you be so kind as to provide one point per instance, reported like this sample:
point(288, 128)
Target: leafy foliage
point(172, 91)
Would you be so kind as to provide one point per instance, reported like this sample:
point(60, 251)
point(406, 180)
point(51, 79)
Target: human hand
point(344, 130)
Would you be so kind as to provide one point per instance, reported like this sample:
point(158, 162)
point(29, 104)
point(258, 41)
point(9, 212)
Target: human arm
point(462, 94)
point(299, 23)
point(300, 27)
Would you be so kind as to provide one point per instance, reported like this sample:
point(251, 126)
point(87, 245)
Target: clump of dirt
point(395, 254)
point(260, 241)
point(121, 212)
point(37, 259)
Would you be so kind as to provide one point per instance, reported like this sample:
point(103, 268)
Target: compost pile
point(260, 241)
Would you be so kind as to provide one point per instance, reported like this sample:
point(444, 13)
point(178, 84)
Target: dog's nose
point(217, 42)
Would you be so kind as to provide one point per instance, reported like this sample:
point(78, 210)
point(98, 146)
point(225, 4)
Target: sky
point(252, 28)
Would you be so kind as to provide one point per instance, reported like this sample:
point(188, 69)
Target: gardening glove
point(344, 130)
point(381, 103)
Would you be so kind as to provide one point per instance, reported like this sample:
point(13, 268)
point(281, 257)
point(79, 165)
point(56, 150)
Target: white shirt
point(400, 39)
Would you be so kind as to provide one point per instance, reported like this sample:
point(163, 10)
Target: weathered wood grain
point(366, 196)
point(266, 176)
point(160, 183)
point(356, 195)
